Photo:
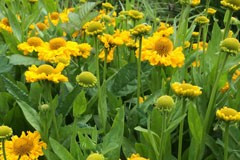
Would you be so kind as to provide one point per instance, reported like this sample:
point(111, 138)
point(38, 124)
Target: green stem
point(3, 149)
point(55, 124)
point(226, 132)
point(228, 24)
point(161, 155)
point(180, 136)
point(139, 71)
point(97, 62)
point(105, 65)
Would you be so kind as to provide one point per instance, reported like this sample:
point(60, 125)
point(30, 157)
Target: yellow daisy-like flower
point(95, 156)
point(136, 157)
point(140, 30)
point(31, 45)
point(107, 5)
point(84, 50)
point(4, 24)
point(228, 114)
point(160, 51)
point(235, 76)
point(164, 30)
point(46, 72)
point(195, 34)
point(28, 147)
point(202, 20)
point(109, 55)
point(231, 4)
point(230, 46)
point(41, 26)
point(195, 2)
point(211, 11)
point(200, 46)
point(110, 41)
point(186, 44)
point(58, 50)
point(186, 89)
point(135, 14)
point(86, 79)
point(5, 132)
point(94, 28)
point(165, 103)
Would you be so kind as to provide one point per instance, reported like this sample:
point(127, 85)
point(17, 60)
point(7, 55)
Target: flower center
point(45, 68)
point(229, 112)
point(94, 26)
point(54, 16)
point(5, 21)
point(163, 46)
point(56, 43)
point(34, 41)
point(41, 26)
point(22, 146)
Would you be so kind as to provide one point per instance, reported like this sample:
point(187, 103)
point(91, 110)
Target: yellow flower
point(211, 11)
point(164, 30)
point(110, 41)
point(195, 2)
point(41, 26)
point(45, 72)
point(33, 1)
point(95, 156)
point(28, 147)
point(235, 76)
point(135, 15)
point(94, 28)
point(165, 103)
point(5, 132)
point(107, 5)
point(186, 44)
point(195, 34)
point(228, 114)
point(186, 89)
point(231, 4)
point(84, 50)
point(86, 79)
point(225, 87)
point(109, 55)
point(4, 24)
point(58, 50)
point(136, 157)
point(200, 46)
point(202, 20)
point(160, 51)
point(196, 64)
point(31, 45)
point(140, 30)
point(230, 46)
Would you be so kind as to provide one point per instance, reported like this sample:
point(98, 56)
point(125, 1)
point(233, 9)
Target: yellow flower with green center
point(5, 25)
point(231, 4)
point(202, 20)
point(160, 51)
point(5, 132)
point(95, 156)
point(32, 44)
point(211, 11)
point(136, 157)
point(84, 50)
point(107, 5)
point(228, 114)
point(46, 72)
point(28, 147)
point(141, 29)
point(86, 79)
point(195, 2)
point(165, 103)
point(58, 50)
point(94, 28)
point(230, 46)
point(186, 89)
point(135, 14)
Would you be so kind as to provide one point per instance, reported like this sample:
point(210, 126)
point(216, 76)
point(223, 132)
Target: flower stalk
point(139, 71)
point(226, 137)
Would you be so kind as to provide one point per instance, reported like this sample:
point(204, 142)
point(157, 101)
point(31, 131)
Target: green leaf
point(14, 90)
point(60, 150)
point(31, 115)
point(102, 106)
point(79, 104)
point(17, 59)
point(4, 65)
point(175, 123)
point(15, 25)
point(115, 133)
point(194, 122)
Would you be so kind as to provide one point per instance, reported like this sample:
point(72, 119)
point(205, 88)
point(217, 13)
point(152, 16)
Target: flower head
point(5, 132)
point(28, 147)
point(136, 157)
point(84, 50)
point(32, 44)
point(95, 156)
point(160, 51)
point(107, 5)
point(86, 79)
point(211, 11)
point(4, 24)
point(228, 114)
point(140, 30)
point(195, 2)
point(94, 28)
point(186, 89)
point(202, 20)
point(165, 103)
point(135, 15)
point(231, 4)
point(45, 72)
point(230, 46)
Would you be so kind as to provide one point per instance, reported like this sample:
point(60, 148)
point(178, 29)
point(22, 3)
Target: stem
point(139, 71)
point(226, 132)
point(3, 149)
point(105, 64)
point(55, 124)
point(97, 62)
point(161, 155)
point(228, 24)
point(180, 136)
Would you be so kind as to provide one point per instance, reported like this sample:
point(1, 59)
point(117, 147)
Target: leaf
point(15, 25)
point(60, 150)
point(31, 115)
point(79, 104)
point(14, 90)
point(4, 65)
point(143, 130)
point(175, 123)
point(115, 133)
point(102, 106)
point(17, 59)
